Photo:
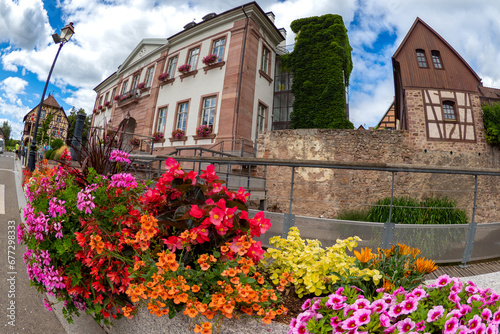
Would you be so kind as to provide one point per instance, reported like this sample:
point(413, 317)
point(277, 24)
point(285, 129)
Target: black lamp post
point(66, 34)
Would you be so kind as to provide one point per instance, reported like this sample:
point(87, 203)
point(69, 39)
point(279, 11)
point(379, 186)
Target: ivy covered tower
point(321, 65)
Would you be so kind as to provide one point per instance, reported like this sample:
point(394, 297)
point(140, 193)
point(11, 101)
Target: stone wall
point(325, 193)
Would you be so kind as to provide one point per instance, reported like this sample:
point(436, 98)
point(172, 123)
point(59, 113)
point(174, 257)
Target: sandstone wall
point(322, 192)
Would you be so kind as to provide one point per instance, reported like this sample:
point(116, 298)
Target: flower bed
point(114, 247)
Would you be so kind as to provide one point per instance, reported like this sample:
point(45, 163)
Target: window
point(264, 66)
point(193, 58)
point(208, 111)
point(135, 81)
point(436, 59)
point(182, 113)
point(261, 119)
point(172, 63)
point(449, 110)
point(149, 76)
point(114, 93)
point(100, 100)
point(162, 120)
point(42, 114)
point(218, 48)
point(58, 119)
point(125, 87)
point(421, 58)
point(106, 99)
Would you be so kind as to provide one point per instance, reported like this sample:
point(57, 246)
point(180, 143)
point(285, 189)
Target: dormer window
point(449, 110)
point(436, 59)
point(422, 62)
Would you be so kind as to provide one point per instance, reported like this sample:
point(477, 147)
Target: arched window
point(436, 59)
point(422, 62)
point(449, 110)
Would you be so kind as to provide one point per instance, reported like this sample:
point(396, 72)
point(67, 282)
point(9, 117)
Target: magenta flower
point(119, 156)
point(385, 320)
point(435, 313)
point(56, 208)
point(123, 180)
point(443, 281)
point(378, 306)
point(362, 316)
point(420, 326)
point(474, 323)
point(395, 310)
point(496, 317)
point(450, 326)
point(486, 314)
point(409, 306)
point(350, 324)
point(406, 325)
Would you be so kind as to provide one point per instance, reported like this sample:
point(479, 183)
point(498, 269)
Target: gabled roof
point(51, 102)
point(418, 20)
point(489, 92)
point(157, 42)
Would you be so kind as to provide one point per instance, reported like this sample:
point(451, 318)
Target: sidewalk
point(83, 324)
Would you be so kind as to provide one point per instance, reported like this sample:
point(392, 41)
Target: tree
point(43, 135)
point(72, 122)
point(321, 64)
point(491, 120)
point(6, 129)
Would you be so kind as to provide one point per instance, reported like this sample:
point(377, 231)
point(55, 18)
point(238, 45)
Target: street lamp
point(66, 34)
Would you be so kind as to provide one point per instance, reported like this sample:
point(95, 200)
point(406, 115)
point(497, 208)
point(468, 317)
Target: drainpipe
point(239, 81)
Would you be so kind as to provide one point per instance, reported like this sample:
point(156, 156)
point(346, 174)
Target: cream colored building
point(233, 95)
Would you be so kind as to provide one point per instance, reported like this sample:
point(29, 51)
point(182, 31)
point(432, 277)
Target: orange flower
point(404, 249)
point(195, 288)
point(204, 266)
point(424, 266)
point(224, 249)
point(190, 312)
point(365, 255)
point(235, 280)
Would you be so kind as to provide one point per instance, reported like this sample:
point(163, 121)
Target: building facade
point(166, 87)
point(58, 126)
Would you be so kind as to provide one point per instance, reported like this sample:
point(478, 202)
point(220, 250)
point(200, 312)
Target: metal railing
point(443, 243)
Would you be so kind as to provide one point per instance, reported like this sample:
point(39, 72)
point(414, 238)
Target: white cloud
point(24, 23)
point(12, 87)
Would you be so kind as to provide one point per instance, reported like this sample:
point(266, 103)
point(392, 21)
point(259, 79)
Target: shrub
point(354, 215)
point(410, 211)
point(315, 270)
point(58, 152)
point(56, 143)
point(48, 153)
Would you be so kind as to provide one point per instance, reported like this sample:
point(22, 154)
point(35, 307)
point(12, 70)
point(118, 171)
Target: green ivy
point(491, 119)
point(321, 64)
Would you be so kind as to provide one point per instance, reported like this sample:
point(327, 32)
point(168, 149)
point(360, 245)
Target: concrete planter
point(144, 322)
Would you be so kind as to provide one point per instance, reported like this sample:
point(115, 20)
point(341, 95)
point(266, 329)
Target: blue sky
point(107, 31)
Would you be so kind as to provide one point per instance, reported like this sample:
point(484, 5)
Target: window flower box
point(184, 68)
point(203, 130)
point(210, 59)
point(134, 141)
point(178, 134)
point(158, 136)
point(107, 103)
point(100, 107)
point(164, 76)
point(141, 85)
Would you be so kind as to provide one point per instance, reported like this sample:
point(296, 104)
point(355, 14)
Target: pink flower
point(209, 174)
point(385, 320)
point(395, 310)
point(363, 316)
point(119, 156)
point(306, 305)
point(123, 180)
point(492, 329)
point(474, 323)
point(435, 313)
point(406, 325)
point(450, 326)
point(496, 317)
point(378, 306)
point(420, 326)
point(196, 212)
point(409, 306)
point(216, 216)
point(417, 293)
point(350, 323)
point(443, 281)
point(486, 314)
